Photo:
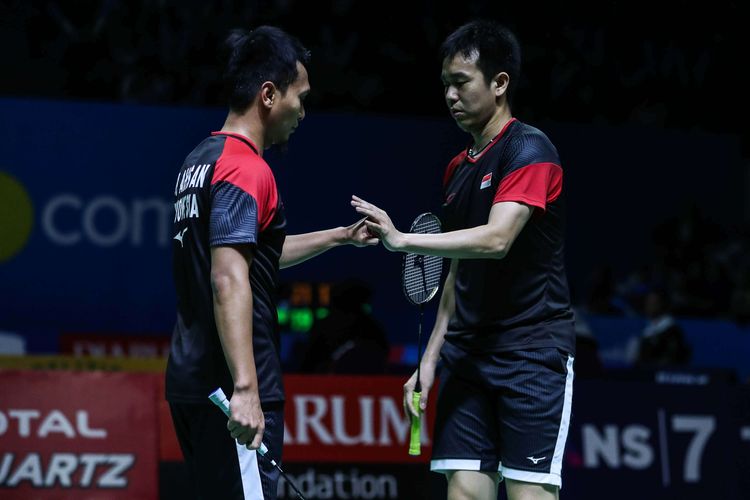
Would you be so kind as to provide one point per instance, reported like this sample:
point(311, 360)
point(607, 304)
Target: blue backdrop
point(100, 179)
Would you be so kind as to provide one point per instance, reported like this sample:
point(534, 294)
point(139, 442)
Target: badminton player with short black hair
point(504, 327)
point(230, 241)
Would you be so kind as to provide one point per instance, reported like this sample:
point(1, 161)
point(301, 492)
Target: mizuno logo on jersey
point(536, 460)
point(181, 235)
point(486, 181)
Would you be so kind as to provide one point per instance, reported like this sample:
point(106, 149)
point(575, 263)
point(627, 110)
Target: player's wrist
point(345, 236)
point(245, 387)
point(400, 241)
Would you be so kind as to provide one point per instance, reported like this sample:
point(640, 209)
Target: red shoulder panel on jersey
point(242, 167)
point(537, 185)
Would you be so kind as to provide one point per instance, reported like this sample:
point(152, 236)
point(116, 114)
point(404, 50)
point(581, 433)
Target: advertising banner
point(103, 435)
point(114, 345)
point(655, 441)
point(78, 435)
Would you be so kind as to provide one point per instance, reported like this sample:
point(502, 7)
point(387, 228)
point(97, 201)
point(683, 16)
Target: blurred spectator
point(602, 297)
point(635, 287)
point(685, 238)
point(587, 361)
point(348, 340)
point(687, 246)
point(601, 292)
point(662, 342)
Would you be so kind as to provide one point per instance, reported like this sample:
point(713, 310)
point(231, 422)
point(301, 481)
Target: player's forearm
point(481, 242)
point(446, 310)
point(301, 247)
point(233, 310)
point(437, 338)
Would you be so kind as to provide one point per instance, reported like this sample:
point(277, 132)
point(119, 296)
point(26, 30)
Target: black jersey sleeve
point(234, 215)
point(529, 148)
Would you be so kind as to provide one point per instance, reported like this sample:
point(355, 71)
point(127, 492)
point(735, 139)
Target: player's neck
point(247, 126)
point(492, 129)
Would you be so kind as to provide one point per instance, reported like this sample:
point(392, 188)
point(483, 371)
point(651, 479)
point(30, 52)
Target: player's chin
point(463, 122)
point(290, 132)
point(282, 143)
point(282, 140)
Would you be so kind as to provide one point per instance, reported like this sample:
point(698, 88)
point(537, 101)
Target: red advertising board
point(350, 419)
point(83, 435)
point(336, 419)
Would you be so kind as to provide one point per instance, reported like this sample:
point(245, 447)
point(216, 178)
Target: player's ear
point(268, 92)
point(500, 83)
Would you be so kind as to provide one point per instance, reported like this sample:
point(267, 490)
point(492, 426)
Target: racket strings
point(421, 273)
point(420, 281)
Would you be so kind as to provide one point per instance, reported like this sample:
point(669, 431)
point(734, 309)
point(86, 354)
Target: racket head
point(420, 274)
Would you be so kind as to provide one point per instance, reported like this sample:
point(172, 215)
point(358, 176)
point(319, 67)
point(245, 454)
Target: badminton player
point(229, 243)
point(504, 327)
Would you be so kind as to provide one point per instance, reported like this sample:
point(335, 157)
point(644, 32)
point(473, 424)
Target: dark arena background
point(101, 100)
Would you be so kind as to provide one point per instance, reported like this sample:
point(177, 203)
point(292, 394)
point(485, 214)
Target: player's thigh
point(218, 466)
point(465, 434)
point(534, 411)
point(273, 438)
point(259, 477)
point(210, 452)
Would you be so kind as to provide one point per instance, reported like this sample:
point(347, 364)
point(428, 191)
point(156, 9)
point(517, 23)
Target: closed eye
point(455, 83)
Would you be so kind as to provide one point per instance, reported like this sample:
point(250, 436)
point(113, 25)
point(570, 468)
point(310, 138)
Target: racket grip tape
point(415, 444)
point(220, 399)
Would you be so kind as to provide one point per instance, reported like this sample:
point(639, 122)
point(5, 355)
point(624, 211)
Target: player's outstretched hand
point(359, 235)
point(246, 423)
point(378, 223)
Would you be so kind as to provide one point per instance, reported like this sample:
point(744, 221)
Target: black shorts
point(504, 412)
point(220, 468)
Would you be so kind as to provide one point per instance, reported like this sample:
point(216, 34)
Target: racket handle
point(415, 445)
point(220, 399)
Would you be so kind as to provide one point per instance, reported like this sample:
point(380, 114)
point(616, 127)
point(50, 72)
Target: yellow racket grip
point(415, 445)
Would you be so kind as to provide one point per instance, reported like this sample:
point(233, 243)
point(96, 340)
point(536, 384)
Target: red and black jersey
point(225, 194)
point(520, 301)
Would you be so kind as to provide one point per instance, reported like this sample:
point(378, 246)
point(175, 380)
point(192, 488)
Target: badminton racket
point(420, 277)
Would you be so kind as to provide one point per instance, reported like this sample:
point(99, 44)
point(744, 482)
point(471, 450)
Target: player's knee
point(472, 485)
point(521, 490)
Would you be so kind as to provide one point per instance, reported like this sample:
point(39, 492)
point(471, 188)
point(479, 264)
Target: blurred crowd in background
point(612, 62)
point(699, 267)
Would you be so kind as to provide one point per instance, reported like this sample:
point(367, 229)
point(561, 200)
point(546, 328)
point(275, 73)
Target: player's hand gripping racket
point(420, 275)
point(220, 399)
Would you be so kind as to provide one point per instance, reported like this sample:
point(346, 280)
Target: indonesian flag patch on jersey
point(486, 181)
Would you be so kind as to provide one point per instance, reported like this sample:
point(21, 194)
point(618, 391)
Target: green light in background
point(283, 314)
point(302, 319)
point(321, 313)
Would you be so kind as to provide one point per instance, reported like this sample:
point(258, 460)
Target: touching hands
point(379, 224)
point(359, 235)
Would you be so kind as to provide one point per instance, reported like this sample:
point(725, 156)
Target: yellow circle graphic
point(16, 216)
